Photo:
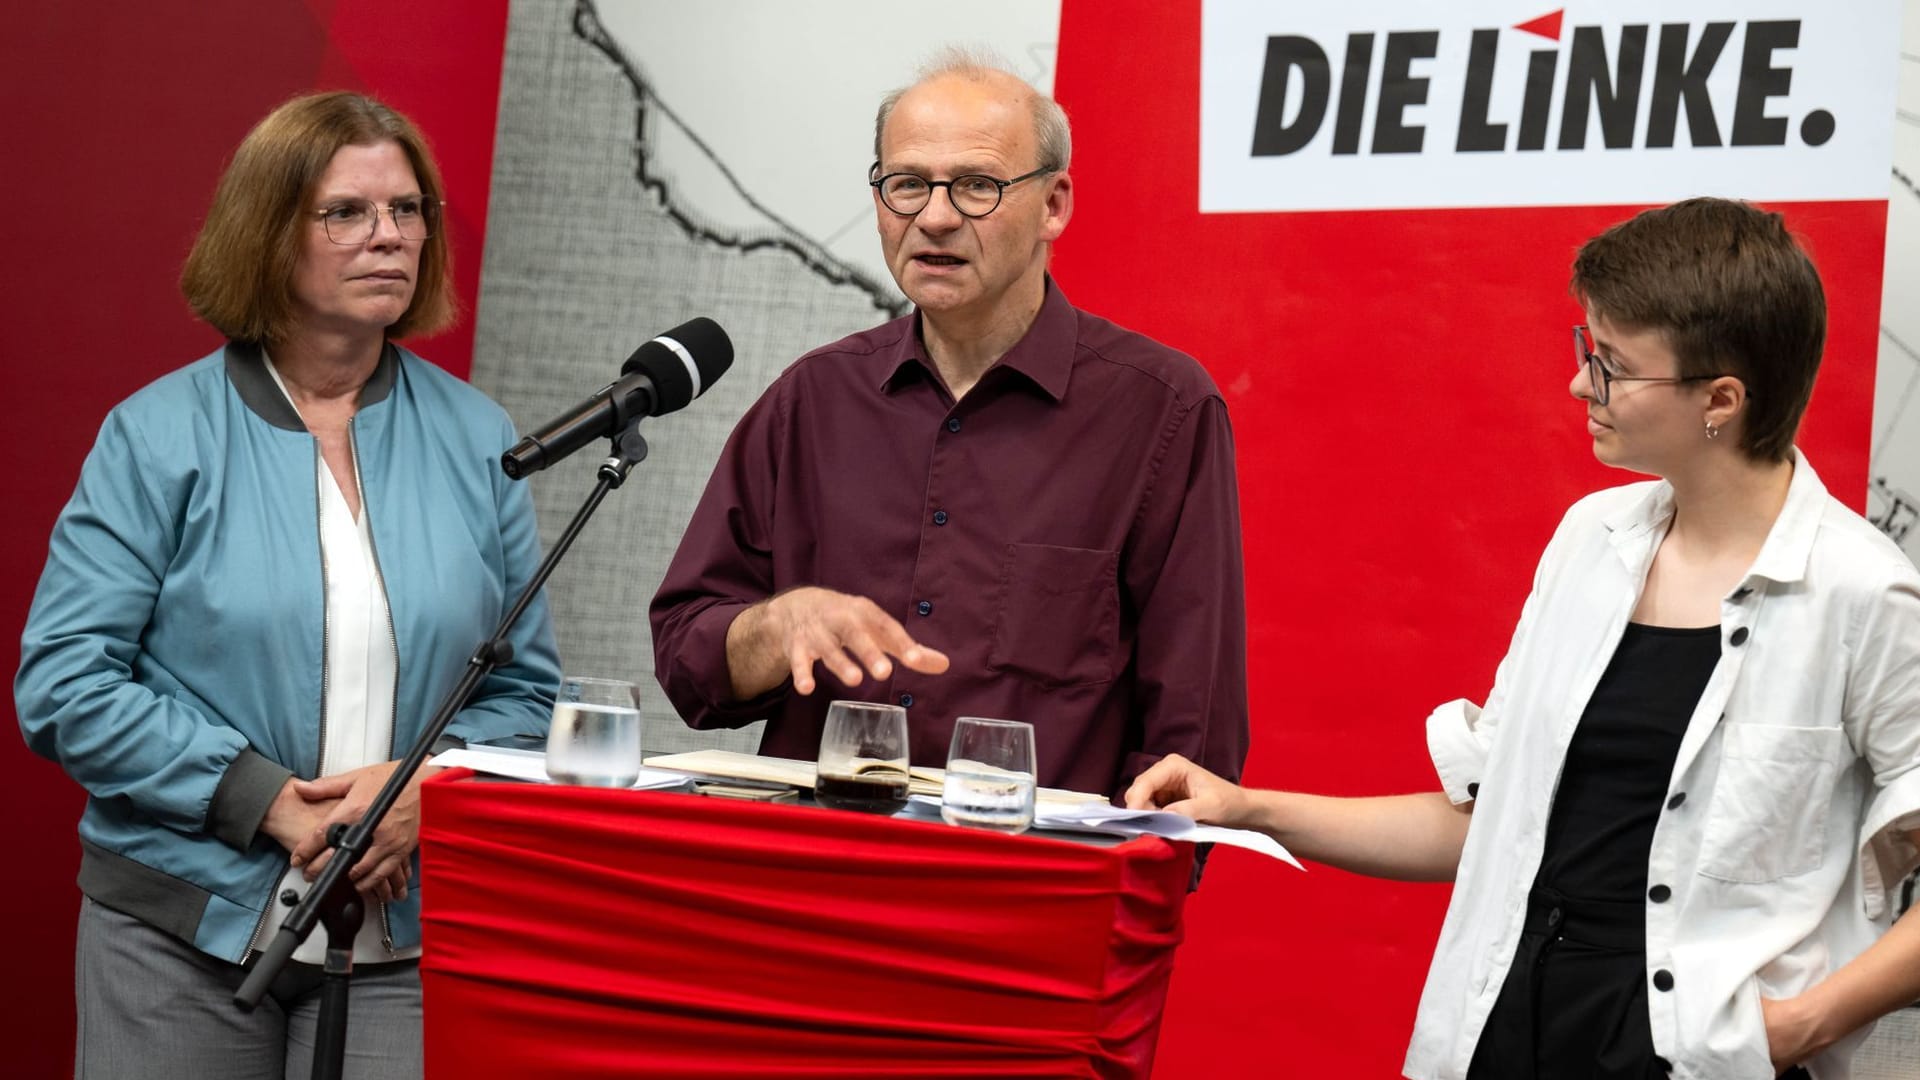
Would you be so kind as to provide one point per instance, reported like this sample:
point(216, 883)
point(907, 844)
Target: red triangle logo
point(1547, 26)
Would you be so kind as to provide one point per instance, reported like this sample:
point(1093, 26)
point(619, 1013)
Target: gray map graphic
point(583, 263)
point(1893, 495)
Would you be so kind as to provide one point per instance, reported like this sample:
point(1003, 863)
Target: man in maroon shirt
point(997, 506)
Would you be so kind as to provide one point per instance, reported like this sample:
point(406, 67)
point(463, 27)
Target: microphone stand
point(333, 899)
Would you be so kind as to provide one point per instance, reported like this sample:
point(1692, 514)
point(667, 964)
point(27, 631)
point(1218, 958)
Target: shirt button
point(1663, 980)
point(1738, 637)
point(926, 607)
point(939, 517)
point(906, 701)
point(1473, 790)
point(1674, 801)
point(1659, 894)
point(1555, 918)
point(953, 423)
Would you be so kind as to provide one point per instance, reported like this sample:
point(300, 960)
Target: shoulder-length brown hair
point(239, 276)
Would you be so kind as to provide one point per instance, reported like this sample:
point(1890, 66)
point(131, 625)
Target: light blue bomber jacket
point(172, 662)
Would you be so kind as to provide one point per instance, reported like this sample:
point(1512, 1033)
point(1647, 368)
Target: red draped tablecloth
point(572, 933)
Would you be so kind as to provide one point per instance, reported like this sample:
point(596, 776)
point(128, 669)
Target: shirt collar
point(1789, 544)
point(1044, 354)
point(261, 392)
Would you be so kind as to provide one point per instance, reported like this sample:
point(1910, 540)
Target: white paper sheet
point(530, 765)
point(923, 779)
point(1108, 820)
point(1105, 818)
point(1093, 817)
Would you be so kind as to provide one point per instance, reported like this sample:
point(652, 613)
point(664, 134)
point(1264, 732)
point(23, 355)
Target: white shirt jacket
point(1787, 810)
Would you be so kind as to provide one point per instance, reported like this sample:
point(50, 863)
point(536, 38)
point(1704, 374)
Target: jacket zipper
point(326, 634)
point(326, 609)
point(393, 636)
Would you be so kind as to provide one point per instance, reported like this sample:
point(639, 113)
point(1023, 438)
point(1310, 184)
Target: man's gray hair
point(1050, 131)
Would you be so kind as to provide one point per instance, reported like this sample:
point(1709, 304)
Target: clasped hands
point(304, 812)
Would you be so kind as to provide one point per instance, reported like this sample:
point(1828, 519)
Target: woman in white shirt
point(1674, 826)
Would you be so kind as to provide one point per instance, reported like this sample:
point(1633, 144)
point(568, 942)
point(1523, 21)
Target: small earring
point(1713, 430)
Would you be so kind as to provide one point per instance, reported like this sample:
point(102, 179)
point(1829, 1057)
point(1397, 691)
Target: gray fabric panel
point(1893, 1052)
point(584, 263)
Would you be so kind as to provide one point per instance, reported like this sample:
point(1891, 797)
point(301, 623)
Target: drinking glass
point(863, 758)
point(989, 775)
point(594, 740)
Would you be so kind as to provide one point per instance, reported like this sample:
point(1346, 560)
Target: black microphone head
point(682, 363)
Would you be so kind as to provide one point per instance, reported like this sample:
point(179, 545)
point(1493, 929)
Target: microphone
point(662, 376)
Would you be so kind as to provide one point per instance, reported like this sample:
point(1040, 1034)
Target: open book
point(922, 779)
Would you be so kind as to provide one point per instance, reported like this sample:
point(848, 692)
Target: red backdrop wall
point(1406, 444)
point(1397, 383)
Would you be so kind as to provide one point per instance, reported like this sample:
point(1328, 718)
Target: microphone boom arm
point(333, 891)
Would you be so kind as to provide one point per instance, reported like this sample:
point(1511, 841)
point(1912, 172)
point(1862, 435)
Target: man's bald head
point(1051, 136)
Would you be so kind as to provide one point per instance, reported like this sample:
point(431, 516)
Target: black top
point(1613, 785)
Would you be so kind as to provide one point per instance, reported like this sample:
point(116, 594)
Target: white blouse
point(362, 670)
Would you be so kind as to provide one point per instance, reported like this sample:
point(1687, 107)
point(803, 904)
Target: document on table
point(1103, 818)
point(922, 779)
point(532, 765)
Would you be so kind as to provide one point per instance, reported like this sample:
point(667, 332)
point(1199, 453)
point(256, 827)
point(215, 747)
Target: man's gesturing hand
point(789, 632)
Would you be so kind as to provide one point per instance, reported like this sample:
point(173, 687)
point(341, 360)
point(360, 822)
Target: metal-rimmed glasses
point(974, 195)
point(1602, 380)
point(354, 221)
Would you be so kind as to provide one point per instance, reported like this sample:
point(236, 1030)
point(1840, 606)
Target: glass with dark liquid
point(863, 758)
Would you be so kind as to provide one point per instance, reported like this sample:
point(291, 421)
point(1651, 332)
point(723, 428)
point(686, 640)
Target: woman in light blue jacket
point(273, 568)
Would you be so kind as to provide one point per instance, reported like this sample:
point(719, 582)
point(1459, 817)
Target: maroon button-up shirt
point(1068, 534)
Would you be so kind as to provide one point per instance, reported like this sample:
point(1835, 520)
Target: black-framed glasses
point(353, 221)
point(1602, 380)
point(975, 195)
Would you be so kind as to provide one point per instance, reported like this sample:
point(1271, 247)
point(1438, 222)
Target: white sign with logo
point(1409, 104)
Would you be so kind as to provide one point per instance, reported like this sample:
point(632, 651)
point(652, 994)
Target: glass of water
point(989, 775)
point(594, 740)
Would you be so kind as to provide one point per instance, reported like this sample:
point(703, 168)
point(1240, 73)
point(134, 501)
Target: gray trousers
point(152, 1007)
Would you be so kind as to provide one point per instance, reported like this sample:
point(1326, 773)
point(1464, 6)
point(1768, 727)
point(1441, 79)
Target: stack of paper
point(922, 779)
point(1073, 811)
point(532, 765)
point(1113, 819)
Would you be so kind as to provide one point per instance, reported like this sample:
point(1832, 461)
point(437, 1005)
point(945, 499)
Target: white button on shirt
point(1788, 807)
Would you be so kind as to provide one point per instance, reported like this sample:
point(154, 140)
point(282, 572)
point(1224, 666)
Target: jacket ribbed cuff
point(241, 800)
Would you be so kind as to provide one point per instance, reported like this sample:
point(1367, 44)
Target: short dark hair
point(1732, 293)
point(239, 276)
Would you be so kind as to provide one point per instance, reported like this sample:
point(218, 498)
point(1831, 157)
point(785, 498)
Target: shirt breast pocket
point(1058, 616)
point(1768, 818)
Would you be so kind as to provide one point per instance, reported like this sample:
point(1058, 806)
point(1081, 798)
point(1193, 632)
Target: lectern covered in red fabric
point(580, 933)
